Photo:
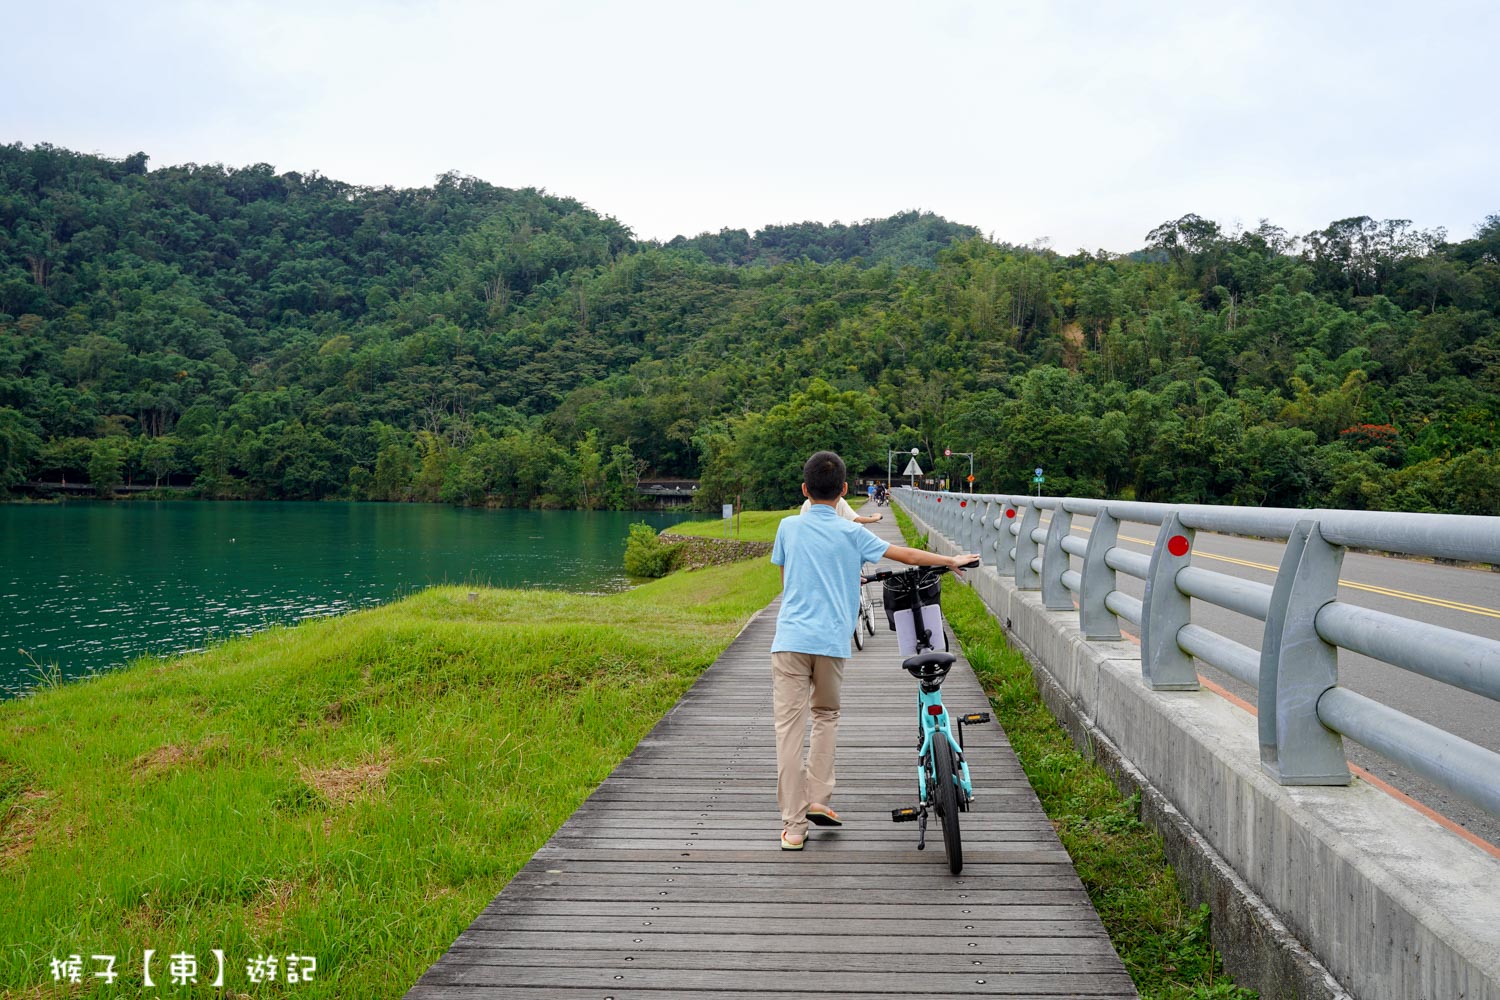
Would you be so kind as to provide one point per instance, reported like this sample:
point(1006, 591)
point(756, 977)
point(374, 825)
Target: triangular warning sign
point(912, 469)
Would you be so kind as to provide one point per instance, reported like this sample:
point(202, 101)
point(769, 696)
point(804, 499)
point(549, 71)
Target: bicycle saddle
point(929, 666)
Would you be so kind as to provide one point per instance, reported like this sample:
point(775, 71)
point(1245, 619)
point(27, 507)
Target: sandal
point(824, 817)
point(787, 845)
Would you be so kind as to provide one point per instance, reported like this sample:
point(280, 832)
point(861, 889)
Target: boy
point(820, 555)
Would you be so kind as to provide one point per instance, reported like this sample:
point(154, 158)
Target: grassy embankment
point(754, 525)
point(1122, 862)
point(354, 788)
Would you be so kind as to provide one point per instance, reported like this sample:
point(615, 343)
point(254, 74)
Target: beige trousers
point(803, 683)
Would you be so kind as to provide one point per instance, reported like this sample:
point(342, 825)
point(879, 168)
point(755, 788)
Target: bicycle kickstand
point(910, 814)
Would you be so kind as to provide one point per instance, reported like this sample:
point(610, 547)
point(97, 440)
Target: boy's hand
point(963, 562)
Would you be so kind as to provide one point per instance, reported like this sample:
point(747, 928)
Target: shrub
point(646, 554)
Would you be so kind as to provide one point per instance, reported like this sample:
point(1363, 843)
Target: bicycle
point(865, 617)
point(944, 786)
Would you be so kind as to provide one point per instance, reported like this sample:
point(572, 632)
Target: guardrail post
point(982, 537)
point(1097, 621)
point(1166, 610)
point(1055, 596)
point(1026, 550)
point(1004, 561)
point(1297, 666)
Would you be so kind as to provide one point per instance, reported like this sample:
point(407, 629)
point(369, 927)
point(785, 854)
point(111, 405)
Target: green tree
point(106, 465)
point(159, 457)
point(19, 447)
point(769, 452)
point(590, 463)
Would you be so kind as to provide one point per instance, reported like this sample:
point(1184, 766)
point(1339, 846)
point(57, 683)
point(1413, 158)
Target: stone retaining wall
point(697, 551)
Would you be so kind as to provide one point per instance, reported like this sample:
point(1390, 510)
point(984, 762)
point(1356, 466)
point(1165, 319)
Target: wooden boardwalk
point(669, 883)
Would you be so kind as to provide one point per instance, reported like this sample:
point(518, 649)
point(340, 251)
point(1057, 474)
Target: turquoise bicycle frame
point(935, 726)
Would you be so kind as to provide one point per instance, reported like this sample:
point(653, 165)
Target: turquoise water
point(89, 586)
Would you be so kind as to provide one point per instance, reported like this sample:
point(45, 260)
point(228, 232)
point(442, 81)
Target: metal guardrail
point(1303, 712)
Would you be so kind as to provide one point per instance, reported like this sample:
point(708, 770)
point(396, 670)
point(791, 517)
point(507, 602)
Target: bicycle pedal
point(974, 718)
point(907, 815)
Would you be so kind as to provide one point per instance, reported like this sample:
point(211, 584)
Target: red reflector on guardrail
point(1178, 545)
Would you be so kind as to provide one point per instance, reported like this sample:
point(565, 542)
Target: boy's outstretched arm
point(921, 557)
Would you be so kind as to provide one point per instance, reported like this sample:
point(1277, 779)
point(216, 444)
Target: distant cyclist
point(848, 513)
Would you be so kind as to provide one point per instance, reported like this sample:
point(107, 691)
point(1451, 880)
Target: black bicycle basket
point(905, 591)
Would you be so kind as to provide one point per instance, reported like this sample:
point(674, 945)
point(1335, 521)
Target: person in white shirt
point(845, 511)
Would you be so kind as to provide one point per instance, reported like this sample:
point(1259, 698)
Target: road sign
point(947, 452)
point(912, 469)
point(1038, 470)
point(971, 477)
point(1038, 479)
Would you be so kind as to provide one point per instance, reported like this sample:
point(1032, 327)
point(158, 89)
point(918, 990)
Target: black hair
point(823, 474)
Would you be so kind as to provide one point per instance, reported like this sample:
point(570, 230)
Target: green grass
point(355, 788)
point(1164, 944)
point(754, 525)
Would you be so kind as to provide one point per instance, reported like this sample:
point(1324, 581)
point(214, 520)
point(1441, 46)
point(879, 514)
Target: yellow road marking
point(1439, 602)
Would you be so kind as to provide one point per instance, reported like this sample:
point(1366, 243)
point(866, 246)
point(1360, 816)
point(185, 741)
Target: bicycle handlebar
point(886, 574)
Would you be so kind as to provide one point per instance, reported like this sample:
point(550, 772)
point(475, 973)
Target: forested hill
point(909, 238)
point(254, 334)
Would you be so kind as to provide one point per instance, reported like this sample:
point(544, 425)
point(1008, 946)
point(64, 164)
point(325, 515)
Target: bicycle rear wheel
point(947, 801)
point(859, 640)
point(867, 612)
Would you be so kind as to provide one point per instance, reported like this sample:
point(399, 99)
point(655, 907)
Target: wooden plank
point(973, 927)
point(973, 980)
point(668, 882)
point(785, 943)
point(450, 992)
point(897, 886)
point(542, 952)
point(778, 894)
point(926, 914)
point(972, 855)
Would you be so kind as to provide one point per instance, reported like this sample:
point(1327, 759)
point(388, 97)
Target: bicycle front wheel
point(947, 800)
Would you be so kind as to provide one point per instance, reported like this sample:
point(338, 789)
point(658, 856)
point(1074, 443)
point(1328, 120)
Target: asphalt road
point(1467, 600)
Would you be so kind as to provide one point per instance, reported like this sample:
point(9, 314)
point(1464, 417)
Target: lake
point(89, 586)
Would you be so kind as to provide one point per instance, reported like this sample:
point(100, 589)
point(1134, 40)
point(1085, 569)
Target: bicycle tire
point(859, 642)
point(946, 795)
point(867, 611)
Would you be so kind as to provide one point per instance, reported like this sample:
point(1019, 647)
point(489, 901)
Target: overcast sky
point(1083, 123)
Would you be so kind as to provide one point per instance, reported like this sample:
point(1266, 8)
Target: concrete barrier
point(1315, 891)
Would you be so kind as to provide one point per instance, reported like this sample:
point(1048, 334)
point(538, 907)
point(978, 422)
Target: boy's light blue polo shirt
point(821, 554)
